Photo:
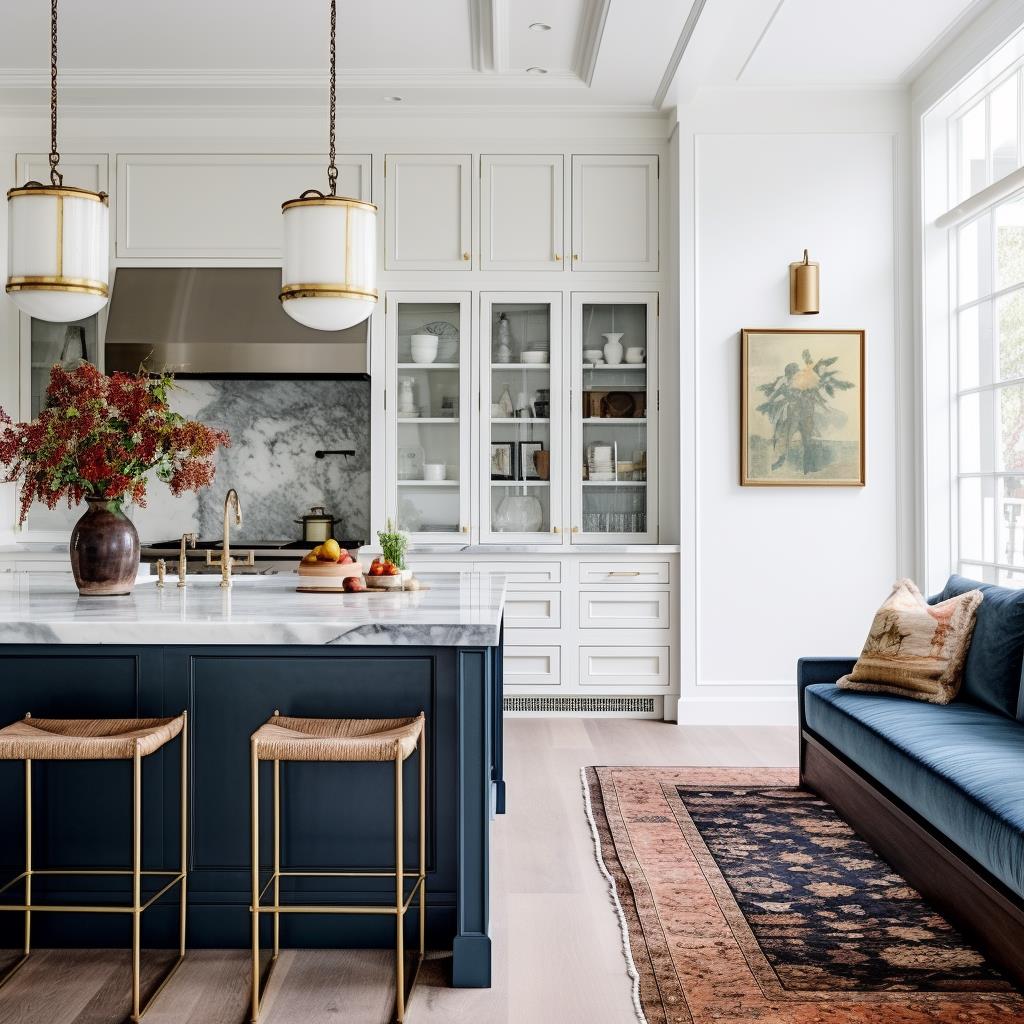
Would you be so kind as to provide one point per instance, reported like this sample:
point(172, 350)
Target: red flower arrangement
point(99, 437)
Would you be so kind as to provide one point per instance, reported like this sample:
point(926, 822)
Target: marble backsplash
point(275, 426)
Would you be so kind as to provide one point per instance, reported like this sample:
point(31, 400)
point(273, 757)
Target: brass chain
point(56, 178)
point(332, 167)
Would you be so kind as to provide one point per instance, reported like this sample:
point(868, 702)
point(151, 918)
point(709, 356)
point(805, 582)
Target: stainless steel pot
point(318, 526)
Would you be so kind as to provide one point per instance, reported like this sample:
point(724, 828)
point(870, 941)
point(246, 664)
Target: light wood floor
point(557, 953)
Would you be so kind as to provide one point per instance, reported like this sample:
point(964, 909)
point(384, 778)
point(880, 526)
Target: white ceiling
point(598, 53)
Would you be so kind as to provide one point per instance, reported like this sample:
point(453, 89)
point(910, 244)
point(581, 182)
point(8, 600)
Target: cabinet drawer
point(533, 609)
point(624, 666)
point(626, 572)
point(525, 572)
point(533, 666)
point(616, 610)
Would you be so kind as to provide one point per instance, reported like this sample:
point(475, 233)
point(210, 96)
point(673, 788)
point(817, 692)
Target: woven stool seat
point(85, 739)
point(337, 739)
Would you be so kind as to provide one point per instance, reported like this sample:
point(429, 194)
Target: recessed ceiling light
point(539, 26)
point(393, 99)
point(536, 71)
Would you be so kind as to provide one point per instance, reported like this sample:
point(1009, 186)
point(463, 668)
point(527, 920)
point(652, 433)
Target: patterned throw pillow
point(915, 649)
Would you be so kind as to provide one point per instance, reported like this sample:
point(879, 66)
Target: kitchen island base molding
point(336, 813)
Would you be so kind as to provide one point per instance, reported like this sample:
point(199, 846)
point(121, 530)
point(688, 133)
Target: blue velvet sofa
point(937, 790)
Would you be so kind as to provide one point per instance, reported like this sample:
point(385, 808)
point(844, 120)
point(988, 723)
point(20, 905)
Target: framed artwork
point(527, 467)
point(802, 408)
point(503, 460)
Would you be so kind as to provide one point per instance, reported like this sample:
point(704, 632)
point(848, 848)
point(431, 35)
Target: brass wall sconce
point(804, 297)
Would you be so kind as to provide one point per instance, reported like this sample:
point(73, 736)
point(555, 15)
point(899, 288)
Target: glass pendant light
point(57, 236)
point(329, 274)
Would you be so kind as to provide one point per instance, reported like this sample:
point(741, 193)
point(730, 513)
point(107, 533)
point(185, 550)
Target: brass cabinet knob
point(466, 256)
point(465, 529)
point(575, 256)
point(575, 529)
point(556, 529)
point(558, 257)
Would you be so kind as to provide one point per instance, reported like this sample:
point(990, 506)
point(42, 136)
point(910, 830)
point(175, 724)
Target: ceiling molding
point(280, 79)
point(481, 36)
point(685, 35)
point(952, 31)
point(760, 40)
point(588, 44)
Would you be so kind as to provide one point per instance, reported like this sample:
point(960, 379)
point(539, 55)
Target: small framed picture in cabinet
point(527, 461)
point(503, 460)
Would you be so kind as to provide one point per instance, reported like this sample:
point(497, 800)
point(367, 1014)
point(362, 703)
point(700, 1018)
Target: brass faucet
point(225, 560)
point(187, 540)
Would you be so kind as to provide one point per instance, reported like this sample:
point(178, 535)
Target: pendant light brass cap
point(36, 188)
point(319, 199)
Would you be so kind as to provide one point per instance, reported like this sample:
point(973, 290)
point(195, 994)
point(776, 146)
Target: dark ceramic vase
point(104, 550)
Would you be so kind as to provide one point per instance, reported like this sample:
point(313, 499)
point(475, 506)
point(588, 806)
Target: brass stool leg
point(136, 878)
point(255, 797)
point(277, 858)
point(28, 855)
point(399, 892)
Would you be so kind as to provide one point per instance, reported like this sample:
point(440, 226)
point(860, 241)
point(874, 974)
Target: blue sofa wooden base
point(979, 903)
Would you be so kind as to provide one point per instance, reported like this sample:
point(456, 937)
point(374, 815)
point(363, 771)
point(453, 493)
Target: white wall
point(776, 573)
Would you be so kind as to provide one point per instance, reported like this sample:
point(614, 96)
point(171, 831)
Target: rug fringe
point(627, 952)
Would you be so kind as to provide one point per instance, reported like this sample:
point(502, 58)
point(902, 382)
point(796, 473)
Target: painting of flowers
point(802, 408)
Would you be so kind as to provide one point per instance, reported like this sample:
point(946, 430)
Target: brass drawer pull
point(465, 256)
point(634, 572)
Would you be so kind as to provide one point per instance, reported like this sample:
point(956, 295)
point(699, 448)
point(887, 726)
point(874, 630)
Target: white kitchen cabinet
point(428, 415)
point(627, 667)
point(533, 609)
point(614, 449)
point(428, 212)
point(615, 213)
point(521, 409)
point(615, 610)
point(534, 665)
point(217, 206)
point(521, 212)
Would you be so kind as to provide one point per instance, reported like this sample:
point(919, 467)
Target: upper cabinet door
point(217, 206)
point(521, 213)
point(615, 213)
point(428, 212)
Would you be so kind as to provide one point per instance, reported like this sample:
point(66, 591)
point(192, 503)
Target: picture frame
point(802, 405)
point(503, 460)
point(524, 461)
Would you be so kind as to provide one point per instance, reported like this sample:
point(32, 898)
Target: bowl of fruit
point(384, 574)
point(329, 568)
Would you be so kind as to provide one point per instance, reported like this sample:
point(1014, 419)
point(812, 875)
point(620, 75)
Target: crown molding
point(588, 44)
point(292, 79)
point(689, 27)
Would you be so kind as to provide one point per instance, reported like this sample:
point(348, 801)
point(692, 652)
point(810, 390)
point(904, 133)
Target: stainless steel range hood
point(219, 320)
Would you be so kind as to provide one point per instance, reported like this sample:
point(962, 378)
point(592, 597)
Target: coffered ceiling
point(578, 54)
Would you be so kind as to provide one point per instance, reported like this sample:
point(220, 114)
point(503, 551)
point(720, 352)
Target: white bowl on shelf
point(591, 355)
point(535, 357)
point(424, 348)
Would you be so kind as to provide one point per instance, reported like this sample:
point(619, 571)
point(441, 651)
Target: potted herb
point(97, 440)
point(393, 546)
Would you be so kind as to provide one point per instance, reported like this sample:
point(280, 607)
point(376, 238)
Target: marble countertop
point(459, 610)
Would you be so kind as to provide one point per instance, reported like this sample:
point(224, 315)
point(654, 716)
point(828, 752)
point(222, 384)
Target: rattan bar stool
point(116, 739)
point(338, 739)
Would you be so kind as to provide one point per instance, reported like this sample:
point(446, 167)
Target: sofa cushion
point(992, 672)
point(915, 649)
point(957, 765)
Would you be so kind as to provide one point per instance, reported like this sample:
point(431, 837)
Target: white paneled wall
point(783, 572)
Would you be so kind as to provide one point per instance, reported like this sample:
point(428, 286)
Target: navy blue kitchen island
point(230, 658)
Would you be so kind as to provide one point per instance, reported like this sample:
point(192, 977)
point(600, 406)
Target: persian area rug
point(744, 898)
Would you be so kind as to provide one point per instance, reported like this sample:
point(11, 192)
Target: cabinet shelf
point(428, 483)
point(615, 366)
point(521, 419)
point(428, 419)
point(614, 483)
point(520, 366)
point(520, 483)
point(429, 366)
point(615, 421)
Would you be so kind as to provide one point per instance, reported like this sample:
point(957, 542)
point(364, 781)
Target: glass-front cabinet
point(428, 403)
point(614, 418)
point(521, 409)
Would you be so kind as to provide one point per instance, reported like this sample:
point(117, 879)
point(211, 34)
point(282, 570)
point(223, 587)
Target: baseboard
point(778, 711)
